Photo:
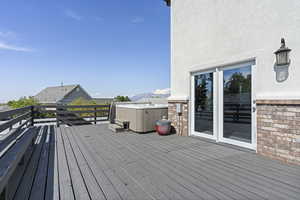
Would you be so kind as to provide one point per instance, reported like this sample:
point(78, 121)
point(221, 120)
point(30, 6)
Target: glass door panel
point(237, 103)
point(203, 104)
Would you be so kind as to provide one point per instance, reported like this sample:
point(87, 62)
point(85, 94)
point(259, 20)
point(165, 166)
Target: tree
point(238, 83)
point(122, 98)
point(82, 102)
point(22, 102)
point(202, 91)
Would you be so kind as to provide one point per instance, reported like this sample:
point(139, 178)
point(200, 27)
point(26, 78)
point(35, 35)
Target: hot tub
point(141, 117)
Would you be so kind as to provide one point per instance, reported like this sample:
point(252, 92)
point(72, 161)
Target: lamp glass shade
point(282, 58)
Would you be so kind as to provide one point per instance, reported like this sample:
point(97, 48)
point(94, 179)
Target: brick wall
point(179, 122)
point(278, 130)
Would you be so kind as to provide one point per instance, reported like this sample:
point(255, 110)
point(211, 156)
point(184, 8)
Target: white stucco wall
point(208, 33)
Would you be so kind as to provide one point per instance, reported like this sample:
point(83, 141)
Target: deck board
point(64, 176)
point(91, 184)
point(191, 182)
point(77, 180)
point(107, 188)
point(52, 186)
point(40, 179)
point(24, 188)
point(91, 162)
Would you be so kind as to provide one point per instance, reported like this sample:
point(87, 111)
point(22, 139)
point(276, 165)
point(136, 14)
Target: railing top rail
point(72, 106)
point(10, 113)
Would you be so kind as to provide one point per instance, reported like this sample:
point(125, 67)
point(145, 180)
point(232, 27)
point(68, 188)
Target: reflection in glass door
point(203, 104)
point(237, 103)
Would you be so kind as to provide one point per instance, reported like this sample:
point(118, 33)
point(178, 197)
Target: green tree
point(83, 102)
point(22, 102)
point(238, 83)
point(122, 98)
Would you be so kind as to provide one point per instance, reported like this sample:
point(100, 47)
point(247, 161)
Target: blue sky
point(109, 47)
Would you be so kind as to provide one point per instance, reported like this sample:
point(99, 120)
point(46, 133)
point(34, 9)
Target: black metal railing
point(71, 114)
point(14, 120)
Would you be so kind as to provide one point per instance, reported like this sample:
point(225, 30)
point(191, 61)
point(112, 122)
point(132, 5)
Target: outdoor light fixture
point(283, 62)
point(282, 54)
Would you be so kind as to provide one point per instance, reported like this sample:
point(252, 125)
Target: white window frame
point(192, 117)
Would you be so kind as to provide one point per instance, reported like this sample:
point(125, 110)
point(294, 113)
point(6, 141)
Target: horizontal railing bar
point(54, 117)
point(77, 117)
point(10, 113)
point(79, 111)
point(46, 111)
point(88, 119)
point(70, 111)
point(44, 122)
point(12, 122)
point(82, 122)
point(70, 117)
point(71, 106)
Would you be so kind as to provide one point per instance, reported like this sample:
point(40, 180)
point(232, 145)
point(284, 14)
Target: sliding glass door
point(236, 89)
point(204, 106)
point(223, 105)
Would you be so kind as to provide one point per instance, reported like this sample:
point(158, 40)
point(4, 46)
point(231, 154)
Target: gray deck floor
point(91, 162)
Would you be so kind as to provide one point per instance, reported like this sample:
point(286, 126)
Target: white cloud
point(4, 46)
point(72, 14)
point(7, 34)
point(137, 20)
point(162, 91)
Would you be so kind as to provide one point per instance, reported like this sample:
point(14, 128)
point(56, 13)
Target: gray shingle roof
point(54, 94)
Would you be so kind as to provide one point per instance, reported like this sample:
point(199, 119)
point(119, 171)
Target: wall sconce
point(283, 62)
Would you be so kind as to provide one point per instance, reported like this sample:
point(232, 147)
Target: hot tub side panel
point(151, 116)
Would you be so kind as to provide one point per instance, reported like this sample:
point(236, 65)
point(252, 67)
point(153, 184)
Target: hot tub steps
point(115, 128)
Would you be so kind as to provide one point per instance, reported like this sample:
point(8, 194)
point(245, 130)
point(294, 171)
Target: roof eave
point(168, 2)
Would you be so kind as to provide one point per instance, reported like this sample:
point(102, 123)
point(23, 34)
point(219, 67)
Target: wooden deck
point(91, 162)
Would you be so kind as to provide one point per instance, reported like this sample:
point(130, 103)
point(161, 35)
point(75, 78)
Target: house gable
point(76, 93)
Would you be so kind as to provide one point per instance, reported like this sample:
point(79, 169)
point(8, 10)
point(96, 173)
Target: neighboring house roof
point(168, 2)
point(154, 100)
point(55, 94)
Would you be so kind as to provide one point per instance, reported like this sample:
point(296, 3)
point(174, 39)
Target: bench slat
point(24, 188)
point(12, 122)
point(11, 159)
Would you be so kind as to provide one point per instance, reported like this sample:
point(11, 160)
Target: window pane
point(204, 103)
point(237, 104)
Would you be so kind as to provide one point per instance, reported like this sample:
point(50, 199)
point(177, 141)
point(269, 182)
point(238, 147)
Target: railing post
point(32, 115)
point(57, 116)
point(95, 115)
point(108, 112)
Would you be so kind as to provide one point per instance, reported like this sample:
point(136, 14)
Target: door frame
point(215, 102)
point(218, 104)
point(221, 137)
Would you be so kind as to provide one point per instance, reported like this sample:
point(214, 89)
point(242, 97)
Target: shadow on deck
point(91, 162)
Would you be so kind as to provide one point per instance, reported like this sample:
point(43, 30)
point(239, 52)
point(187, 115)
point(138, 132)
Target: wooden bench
point(12, 155)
